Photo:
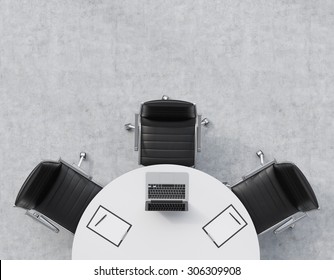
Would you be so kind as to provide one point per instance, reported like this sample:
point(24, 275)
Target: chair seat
point(264, 199)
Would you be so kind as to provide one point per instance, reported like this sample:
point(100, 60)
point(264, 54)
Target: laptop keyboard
point(166, 191)
point(166, 206)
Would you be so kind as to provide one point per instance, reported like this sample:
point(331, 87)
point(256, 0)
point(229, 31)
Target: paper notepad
point(109, 226)
point(224, 226)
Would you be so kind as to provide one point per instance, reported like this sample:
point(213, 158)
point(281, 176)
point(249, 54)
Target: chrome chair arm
point(199, 136)
point(289, 223)
point(40, 218)
point(136, 132)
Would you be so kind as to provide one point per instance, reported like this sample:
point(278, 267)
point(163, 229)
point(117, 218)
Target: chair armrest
point(38, 217)
point(199, 137)
point(257, 170)
point(136, 132)
point(289, 223)
point(76, 168)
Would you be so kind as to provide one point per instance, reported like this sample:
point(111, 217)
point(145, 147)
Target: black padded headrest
point(37, 184)
point(168, 110)
point(296, 186)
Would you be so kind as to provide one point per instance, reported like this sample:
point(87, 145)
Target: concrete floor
point(73, 72)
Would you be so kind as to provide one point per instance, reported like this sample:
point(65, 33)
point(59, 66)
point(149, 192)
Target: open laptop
point(167, 191)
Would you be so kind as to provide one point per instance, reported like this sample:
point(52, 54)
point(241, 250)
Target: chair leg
point(260, 154)
point(83, 156)
point(129, 126)
point(227, 184)
point(205, 122)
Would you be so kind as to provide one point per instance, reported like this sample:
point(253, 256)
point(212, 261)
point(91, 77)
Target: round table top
point(130, 232)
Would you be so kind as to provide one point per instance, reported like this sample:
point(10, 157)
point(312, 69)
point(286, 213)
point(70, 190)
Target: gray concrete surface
point(73, 72)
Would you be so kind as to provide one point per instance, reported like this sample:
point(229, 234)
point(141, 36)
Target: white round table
point(166, 235)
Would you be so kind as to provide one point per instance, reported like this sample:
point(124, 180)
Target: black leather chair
point(168, 132)
point(276, 196)
point(58, 192)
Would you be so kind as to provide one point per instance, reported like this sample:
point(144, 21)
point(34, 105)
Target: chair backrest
point(296, 186)
point(275, 193)
point(264, 199)
point(168, 131)
point(168, 110)
point(37, 185)
point(58, 191)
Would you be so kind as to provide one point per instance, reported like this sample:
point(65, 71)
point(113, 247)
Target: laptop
point(167, 191)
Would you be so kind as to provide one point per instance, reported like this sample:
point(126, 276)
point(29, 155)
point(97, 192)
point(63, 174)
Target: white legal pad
point(109, 226)
point(224, 226)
